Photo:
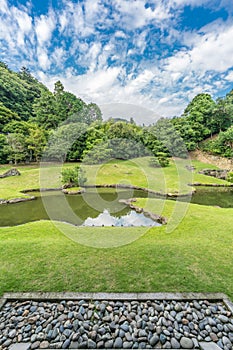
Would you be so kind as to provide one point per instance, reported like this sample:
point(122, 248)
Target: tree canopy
point(35, 121)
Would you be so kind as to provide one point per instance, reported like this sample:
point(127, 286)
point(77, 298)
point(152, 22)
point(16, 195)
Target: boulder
point(11, 172)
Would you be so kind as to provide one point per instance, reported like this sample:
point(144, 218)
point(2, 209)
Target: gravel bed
point(116, 324)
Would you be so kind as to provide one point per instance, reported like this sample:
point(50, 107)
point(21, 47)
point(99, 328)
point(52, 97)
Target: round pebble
point(115, 324)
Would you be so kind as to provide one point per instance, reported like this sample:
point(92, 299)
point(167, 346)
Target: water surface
point(99, 208)
point(92, 208)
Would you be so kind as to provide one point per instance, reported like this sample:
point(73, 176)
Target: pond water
point(100, 208)
point(214, 196)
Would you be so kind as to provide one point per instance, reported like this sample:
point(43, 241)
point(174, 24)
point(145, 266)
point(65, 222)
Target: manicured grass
point(174, 178)
point(192, 253)
point(32, 177)
point(195, 257)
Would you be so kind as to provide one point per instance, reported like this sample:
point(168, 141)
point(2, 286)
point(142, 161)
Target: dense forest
point(61, 126)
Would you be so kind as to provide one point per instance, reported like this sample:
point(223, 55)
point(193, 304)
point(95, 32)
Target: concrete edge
point(26, 348)
point(228, 304)
point(2, 302)
point(118, 296)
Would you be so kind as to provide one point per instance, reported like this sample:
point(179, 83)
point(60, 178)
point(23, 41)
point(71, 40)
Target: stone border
point(116, 296)
point(147, 190)
point(155, 217)
point(199, 184)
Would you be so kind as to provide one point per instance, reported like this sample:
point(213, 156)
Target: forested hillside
point(30, 115)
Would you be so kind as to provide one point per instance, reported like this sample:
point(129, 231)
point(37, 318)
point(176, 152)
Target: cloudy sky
point(156, 54)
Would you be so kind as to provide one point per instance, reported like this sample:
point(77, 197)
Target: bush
point(164, 162)
point(74, 176)
point(154, 162)
point(160, 161)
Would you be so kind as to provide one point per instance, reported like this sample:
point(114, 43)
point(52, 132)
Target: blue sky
point(151, 54)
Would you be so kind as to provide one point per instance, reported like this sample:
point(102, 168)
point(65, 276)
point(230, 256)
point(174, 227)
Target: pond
point(215, 196)
point(92, 208)
point(100, 208)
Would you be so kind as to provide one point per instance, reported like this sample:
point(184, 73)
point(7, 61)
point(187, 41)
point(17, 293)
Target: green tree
point(45, 111)
point(18, 127)
point(172, 142)
point(199, 114)
point(222, 145)
point(18, 91)
point(35, 142)
point(223, 113)
point(62, 139)
point(4, 151)
point(6, 116)
point(16, 148)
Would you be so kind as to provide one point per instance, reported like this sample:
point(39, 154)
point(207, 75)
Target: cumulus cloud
point(212, 50)
point(136, 14)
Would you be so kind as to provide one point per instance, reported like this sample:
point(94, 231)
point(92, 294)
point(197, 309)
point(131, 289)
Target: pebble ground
point(115, 324)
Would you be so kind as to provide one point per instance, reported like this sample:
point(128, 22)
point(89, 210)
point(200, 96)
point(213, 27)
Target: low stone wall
point(221, 162)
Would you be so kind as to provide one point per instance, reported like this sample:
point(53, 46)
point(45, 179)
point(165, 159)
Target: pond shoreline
point(195, 184)
point(65, 191)
point(168, 195)
point(158, 218)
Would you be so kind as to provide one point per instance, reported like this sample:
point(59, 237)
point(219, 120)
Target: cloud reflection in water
point(131, 219)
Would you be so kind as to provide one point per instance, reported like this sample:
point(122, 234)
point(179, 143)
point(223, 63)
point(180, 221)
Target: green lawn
point(174, 178)
point(195, 257)
point(192, 253)
point(135, 172)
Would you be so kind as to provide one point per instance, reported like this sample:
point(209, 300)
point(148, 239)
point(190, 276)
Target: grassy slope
point(10, 187)
point(137, 172)
point(196, 256)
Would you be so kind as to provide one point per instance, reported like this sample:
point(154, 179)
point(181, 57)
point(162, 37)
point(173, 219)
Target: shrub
point(74, 176)
point(160, 161)
point(154, 162)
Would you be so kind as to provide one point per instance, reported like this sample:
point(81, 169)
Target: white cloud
point(229, 76)
point(120, 34)
point(58, 57)
point(111, 66)
point(193, 3)
point(211, 51)
point(43, 58)
point(44, 27)
point(3, 6)
point(91, 57)
point(24, 22)
point(136, 14)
